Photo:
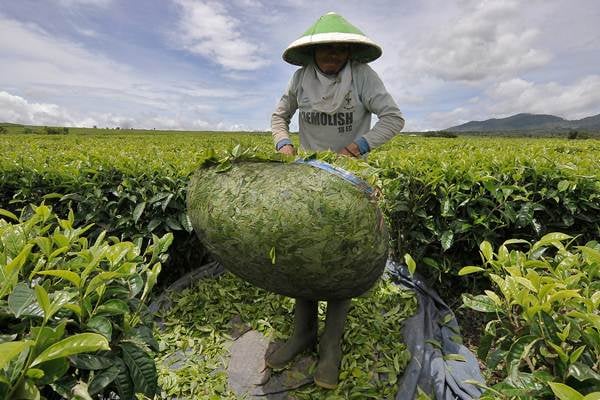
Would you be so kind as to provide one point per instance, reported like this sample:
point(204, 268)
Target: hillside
point(529, 122)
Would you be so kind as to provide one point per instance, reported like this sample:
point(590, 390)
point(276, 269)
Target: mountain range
point(530, 122)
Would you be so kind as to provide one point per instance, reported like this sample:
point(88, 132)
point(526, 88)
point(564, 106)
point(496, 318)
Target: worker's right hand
point(288, 150)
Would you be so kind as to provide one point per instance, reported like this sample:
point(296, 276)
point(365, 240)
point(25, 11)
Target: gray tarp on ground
point(434, 322)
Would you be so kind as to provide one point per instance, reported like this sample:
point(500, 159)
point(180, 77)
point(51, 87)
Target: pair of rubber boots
point(305, 336)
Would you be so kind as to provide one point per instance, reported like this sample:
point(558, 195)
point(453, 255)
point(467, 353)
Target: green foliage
point(107, 181)
point(441, 196)
point(441, 207)
point(198, 329)
point(49, 130)
point(544, 324)
point(72, 311)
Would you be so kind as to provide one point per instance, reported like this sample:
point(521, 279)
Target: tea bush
point(441, 196)
point(544, 318)
point(73, 319)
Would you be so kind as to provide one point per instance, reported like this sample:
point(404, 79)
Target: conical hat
point(332, 28)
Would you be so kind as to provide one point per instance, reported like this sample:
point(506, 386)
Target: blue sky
point(216, 65)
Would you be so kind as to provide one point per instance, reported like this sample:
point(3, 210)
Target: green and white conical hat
point(332, 28)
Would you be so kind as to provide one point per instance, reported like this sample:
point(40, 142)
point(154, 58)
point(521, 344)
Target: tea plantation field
point(514, 223)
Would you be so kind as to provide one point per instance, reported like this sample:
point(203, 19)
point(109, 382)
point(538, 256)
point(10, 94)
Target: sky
point(216, 65)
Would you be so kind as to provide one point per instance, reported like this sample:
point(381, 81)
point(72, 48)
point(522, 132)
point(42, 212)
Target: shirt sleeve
point(378, 101)
point(287, 106)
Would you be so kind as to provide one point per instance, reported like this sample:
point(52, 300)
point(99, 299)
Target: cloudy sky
point(216, 65)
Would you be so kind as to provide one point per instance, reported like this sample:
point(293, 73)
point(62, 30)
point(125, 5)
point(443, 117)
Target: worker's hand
point(351, 150)
point(288, 150)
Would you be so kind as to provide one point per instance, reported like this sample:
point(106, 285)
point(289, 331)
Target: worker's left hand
point(351, 150)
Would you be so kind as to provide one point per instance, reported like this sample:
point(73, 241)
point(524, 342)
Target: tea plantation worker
point(336, 93)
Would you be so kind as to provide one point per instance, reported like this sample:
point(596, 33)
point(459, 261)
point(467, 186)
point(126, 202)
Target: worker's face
point(331, 58)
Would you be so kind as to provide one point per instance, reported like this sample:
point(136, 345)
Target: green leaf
point(563, 294)
point(61, 273)
point(34, 373)
point(455, 357)
point(102, 380)
point(123, 382)
point(564, 392)
point(151, 277)
point(550, 238)
point(525, 283)
point(515, 241)
point(58, 252)
point(495, 298)
point(410, 263)
point(561, 353)
point(11, 350)
point(141, 369)
point(447, 239)
point(145, 334)
point(185, 221)
point(137, 212)
point(582, 372)
point(101, 325)
point(47, 336)
point(27, 391)
point(53, 370)
point(520, 348)
point(469, 270)
point(17, 263)
point(576, 354)
point(43, 301)
point(479, 303)
point(486, 250)
point(136, 284)
point(113, 307)
point(272, 255)
point(59, 299)
point(549, 328)
point(80, 343)
point(90, 361)
point(20, 299)
point(98, 281)
point(563, 185)
point(8, 214)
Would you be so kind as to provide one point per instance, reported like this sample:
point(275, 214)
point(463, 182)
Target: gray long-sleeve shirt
point(351, 122)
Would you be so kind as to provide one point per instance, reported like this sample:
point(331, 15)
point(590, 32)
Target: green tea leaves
point(80, 343)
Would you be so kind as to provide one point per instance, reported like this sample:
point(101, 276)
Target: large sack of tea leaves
point(296, 229)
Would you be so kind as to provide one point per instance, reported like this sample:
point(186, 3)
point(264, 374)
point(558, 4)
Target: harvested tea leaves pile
point(303, 231)
point(192, 361)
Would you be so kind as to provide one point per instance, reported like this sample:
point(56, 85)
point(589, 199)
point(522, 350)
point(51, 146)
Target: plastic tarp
point(432, 335)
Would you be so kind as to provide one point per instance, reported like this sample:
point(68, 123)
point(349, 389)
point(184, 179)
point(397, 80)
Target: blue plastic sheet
point(430, 335)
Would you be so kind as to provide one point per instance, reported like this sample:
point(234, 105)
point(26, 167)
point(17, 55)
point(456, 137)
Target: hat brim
point(363, 49)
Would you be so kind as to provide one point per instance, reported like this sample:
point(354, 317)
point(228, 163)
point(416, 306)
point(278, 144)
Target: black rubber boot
point(330, 345)
point(304, 336)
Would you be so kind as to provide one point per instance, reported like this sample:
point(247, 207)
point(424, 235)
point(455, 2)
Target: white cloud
point(207, 29)
point(18, 110)
point(577, 100)
point(36, 56)
point(442, 120)
point(87, 32)
point(62, 75)
point(484, 40)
